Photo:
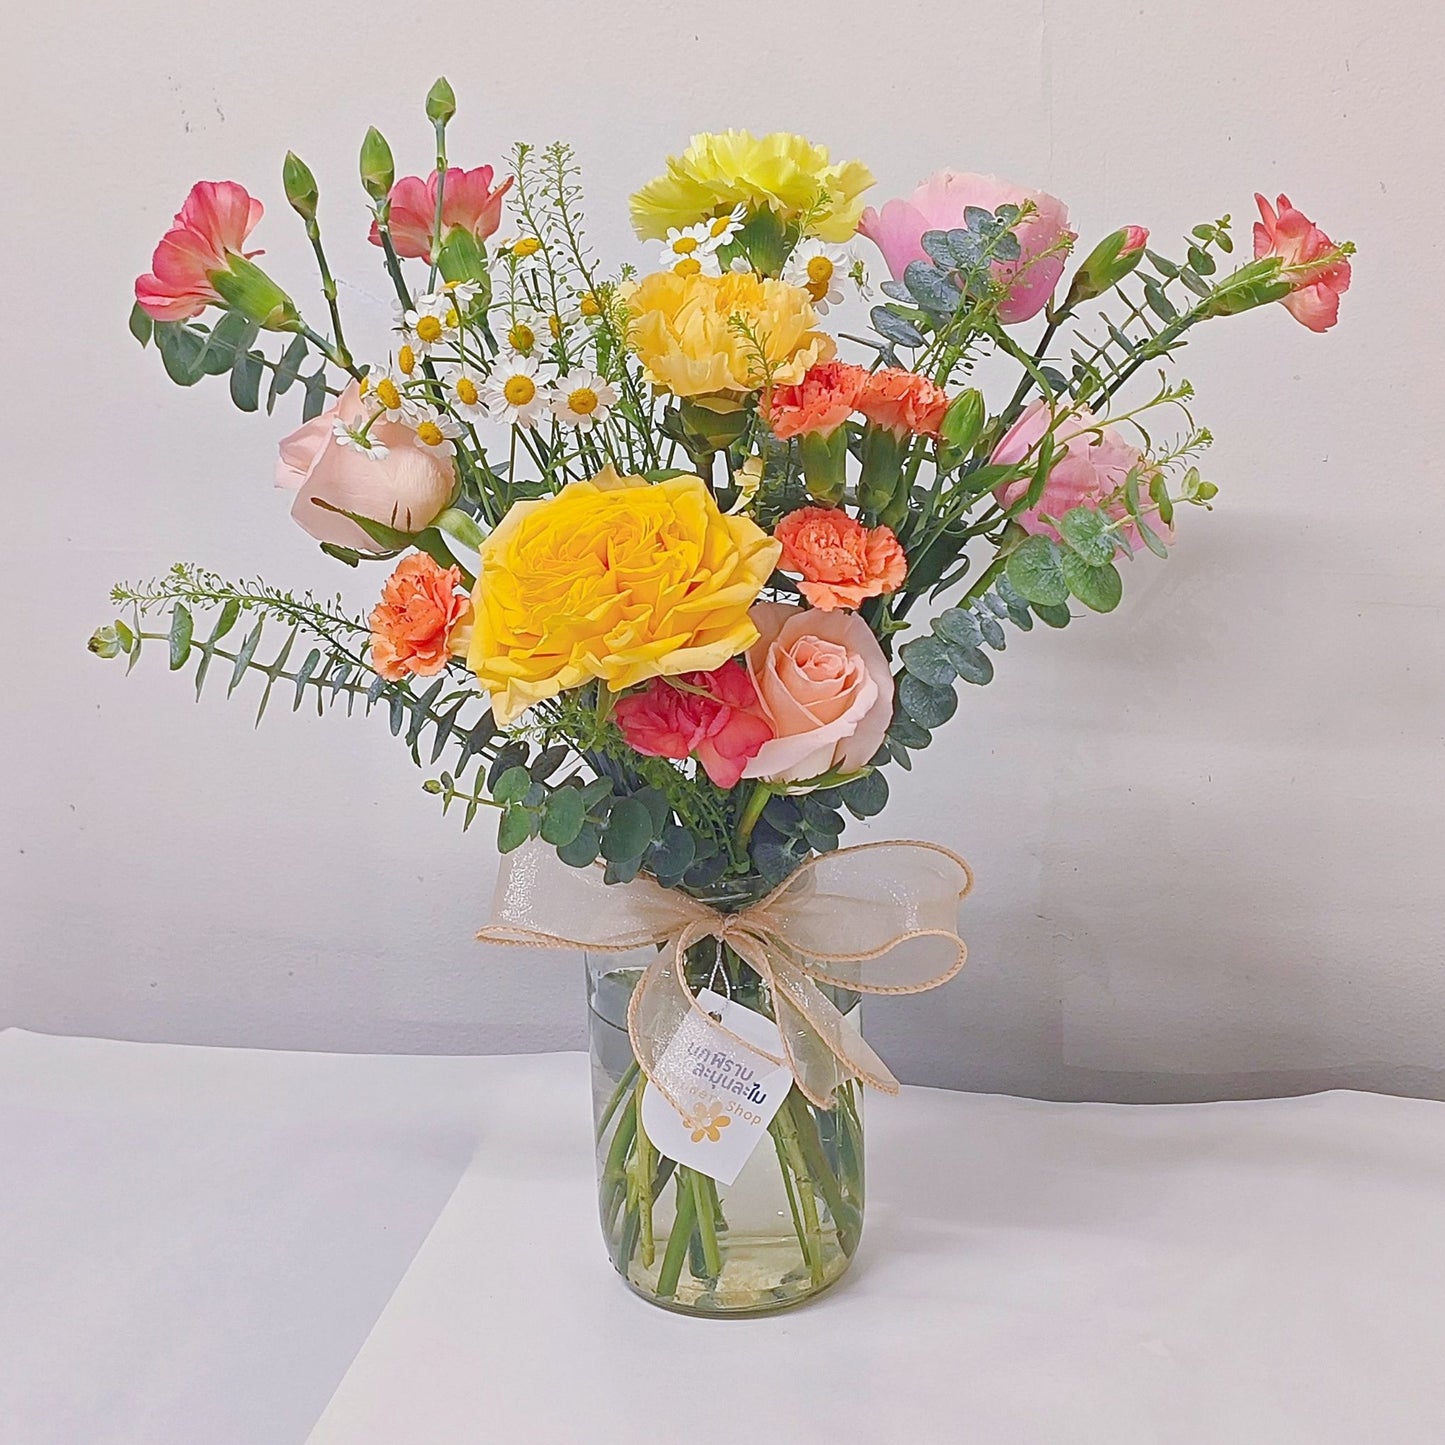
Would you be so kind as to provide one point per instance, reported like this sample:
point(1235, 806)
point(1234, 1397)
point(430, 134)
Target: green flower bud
point(1107, 264)
point(882, 473)
point(964, 419)
point(105, 642)
point(300, 186)
point(824, 461)
point(246, 288)
point(378, 169)
point(441, 102)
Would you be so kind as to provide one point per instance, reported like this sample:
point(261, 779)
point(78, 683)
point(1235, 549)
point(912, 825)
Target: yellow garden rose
point(615, 578)
point(684, 330)
point(783, 173)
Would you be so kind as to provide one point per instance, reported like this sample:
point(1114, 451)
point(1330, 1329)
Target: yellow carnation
point(784, 173)
point(684, 330)
point(614, 578)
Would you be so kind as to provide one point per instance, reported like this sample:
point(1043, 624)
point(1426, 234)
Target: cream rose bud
point(825, 686)
point(407, 486)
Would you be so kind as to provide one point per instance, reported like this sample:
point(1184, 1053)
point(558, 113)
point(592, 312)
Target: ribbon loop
point(881, 923)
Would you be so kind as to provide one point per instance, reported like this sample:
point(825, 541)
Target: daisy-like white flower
point(819, 269)
point(721, 229)
point(513, 393)
point(429, 323)
point(435, 429)
point(464, 395)
point(463, 292)
point(358, 440)
point(556, 324)
point(386, 392)
point(527, 334)
point(582, 398)
point(690, 251)
point(522, 253)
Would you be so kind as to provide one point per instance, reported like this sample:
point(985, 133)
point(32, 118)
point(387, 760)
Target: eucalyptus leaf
point(246, 381)
point(895, 328)
point(926, 704)
point(513, 829)
point(512, 785)
point(182, 628)
point(928, 658)
point(629, 831)
point(1098, 588)
point(563, 817)
point(1036, 571)
point(582, 851)
point(1086, 531)
point(867, 796)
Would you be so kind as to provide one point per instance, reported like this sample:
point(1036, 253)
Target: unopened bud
point(825, 460)
point(378, 169)
point(1107, 264)
point(441, 102)
point(964, 419)
point(300, 186)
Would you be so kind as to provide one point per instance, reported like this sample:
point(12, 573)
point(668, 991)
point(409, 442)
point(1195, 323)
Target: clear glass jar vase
point(788, 1225)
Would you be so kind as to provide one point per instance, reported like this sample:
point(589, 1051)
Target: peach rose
point(407, 487)
point(825, 687)
point(821, 402)
point(841, 561)
point(902, 401)
point(420, 615)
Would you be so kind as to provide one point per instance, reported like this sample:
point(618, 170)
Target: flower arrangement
point(673, 585)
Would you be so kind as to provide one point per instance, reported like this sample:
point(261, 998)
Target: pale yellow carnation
point(783, 173)
point(686, 332)
point(615, 578)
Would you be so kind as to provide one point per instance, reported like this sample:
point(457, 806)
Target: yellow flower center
point(406, 361)
point(522, 337)
point(525, 246)
point(387, 394)
point(718, 226)
point(589, 305)
point(363, 386)
point(466, 390)
point(452, 317)
point(554, 325)
point(685, 245)
point(430, 433)
point(583, 401)
point(519, 390)
point(820, 270)
point(428, 329)
point(688, 266)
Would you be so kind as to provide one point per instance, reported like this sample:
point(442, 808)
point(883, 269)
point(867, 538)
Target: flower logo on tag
point(710, 1125)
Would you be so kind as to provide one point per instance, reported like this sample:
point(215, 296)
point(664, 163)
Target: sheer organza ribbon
point(877, 918)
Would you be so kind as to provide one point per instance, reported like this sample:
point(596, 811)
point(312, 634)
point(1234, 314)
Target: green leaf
point(1099, 588)
point(287, 370)
point(1159, 303)
point(181, 348)
point(927, 705)
point(1086, 531)
point(246, 381)
point(510, 755)
point(673, 853)
point(582, 851)
point(928, 658)
point(958, 624)
point(229, 339)
point(629, 831)
point(907, 733)
point(244, 656)
point(140, 324)
point(548, 761)
point(563, 817)
point(621, 870)
point(1152, 540)
point(513, 829)
point(895, 328)
point(867, 796)
point(511, 786)
point(1036, 572)
point(182, 628)
point(1052, 615)
point(972, 665)
point(315, 401)
point(931, 288)
point(595, 791)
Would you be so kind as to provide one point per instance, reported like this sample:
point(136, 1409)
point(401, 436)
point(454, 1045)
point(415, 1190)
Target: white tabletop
point(206, 1246)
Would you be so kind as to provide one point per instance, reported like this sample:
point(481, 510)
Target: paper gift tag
point(732, 1091)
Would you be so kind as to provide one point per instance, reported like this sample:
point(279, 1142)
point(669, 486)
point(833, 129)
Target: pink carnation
point(208, 229)
point(1299, 243)
point(468, 203)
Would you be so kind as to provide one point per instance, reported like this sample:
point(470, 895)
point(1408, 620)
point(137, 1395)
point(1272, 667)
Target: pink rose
point(468, 203)
point(713, 716)
point(825, 687)
point(1298, 242)
point(1091, 464)
point(208, 230)
point(938, 205)
point(407, 488)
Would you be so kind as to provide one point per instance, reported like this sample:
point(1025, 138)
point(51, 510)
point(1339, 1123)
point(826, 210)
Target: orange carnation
point(903, 401)
point(841, 561)
point(419, 614)
point(821, 402)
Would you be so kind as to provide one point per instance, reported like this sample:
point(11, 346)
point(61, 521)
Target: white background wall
point(1207, 829)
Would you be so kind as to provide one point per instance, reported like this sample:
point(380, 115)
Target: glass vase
point(788, 1225)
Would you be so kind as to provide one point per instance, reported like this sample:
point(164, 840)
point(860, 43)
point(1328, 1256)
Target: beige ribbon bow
point(876, 918)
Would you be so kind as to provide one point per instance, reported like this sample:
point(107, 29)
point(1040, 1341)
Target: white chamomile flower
point(690, 251)
point(740, 266)
point(523, 253)
point(463, 292)
point(386, 392)
point(556, 324)
point(512, 392)
point(435, 430)
point(582, 399)
point(358, 440)
point(527, 334)
point(819, 269)
point(721, 229)
point(464, 396)
point(428, 323)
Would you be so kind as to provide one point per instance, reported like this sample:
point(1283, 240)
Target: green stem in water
point(705, 1204)
point(642, 1183)
point(624, 1086)
point(678, 1239)
point(805, 1240)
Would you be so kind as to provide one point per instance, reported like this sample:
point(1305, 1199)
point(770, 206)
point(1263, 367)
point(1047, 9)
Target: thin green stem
point(705, 1205)
point(677, 1241)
